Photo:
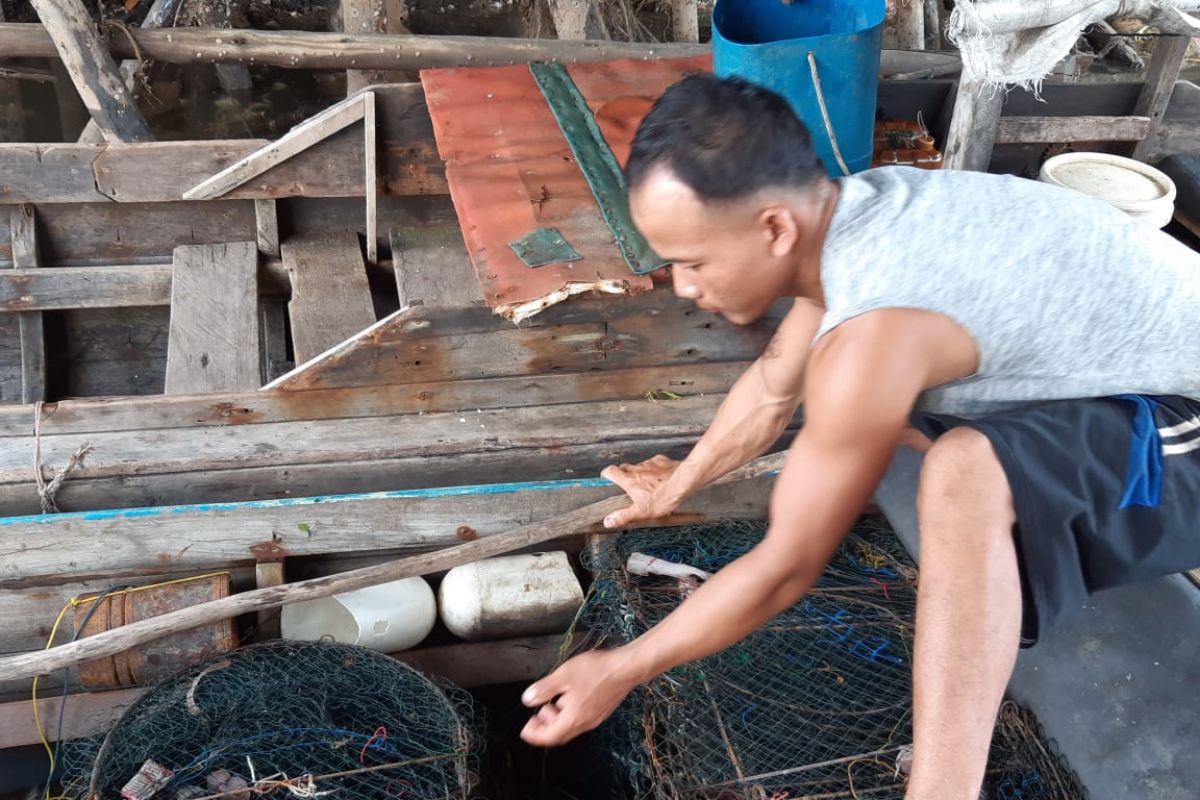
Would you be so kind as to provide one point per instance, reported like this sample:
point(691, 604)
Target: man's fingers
point(544, 690)
point(621, 517)
point(616, 474)
point(543, 732)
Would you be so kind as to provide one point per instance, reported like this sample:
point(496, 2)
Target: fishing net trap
point(815, 704)
point(286, 719)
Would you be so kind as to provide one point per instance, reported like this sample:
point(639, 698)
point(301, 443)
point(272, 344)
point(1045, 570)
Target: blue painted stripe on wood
point(448, 491)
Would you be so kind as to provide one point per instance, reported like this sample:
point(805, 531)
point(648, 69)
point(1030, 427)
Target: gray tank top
point(1065, 295)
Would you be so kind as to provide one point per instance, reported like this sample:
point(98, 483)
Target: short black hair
point(725, 138)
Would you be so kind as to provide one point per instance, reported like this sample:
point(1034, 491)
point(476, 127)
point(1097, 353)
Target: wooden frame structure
point(437, 393)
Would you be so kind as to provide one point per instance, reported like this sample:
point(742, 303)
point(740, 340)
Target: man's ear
point(780, 227)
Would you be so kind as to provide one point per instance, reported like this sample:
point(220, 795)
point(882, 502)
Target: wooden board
point(432, 266)
point(62, 288)
point(201, 537)
point(1161, 75)
point(85, 714)
point(156, 413)
point(92, 69)
point(282, 460)
point(1071, 129)
point(213, 341)
point(23, 232)
point(653, 329)
point(470, 665)
point(331, 300)
point(119, 351)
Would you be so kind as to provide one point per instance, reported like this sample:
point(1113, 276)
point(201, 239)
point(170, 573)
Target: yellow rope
point(73, 603)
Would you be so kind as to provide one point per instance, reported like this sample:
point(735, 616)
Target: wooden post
point(23, 224)
point(93, 70)
point(973, 126)
point(909, 24)
point(12, 119)
point(577, 19)
point(1161, 75)
point(685, 20)
point(268, 573)
point(373, 16)
point(933, 25)
point(160, 13)
point(234, 78)
point(371, 178)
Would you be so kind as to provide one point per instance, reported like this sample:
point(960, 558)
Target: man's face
point(735, 258)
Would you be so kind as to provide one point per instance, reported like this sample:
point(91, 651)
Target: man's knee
point(962, 475)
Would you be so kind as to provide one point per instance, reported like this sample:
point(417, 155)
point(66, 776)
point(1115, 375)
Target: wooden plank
point(298, 139)
point(213, 343)
point(188, 538)
point(72, 417)
point(1013, 130)
point(973, 126)
point(268, 573)
point(130, 635)
point(23, 235)
point(159, 171)
point(85, 287)
point(83, 234)
point(432, 266)
point(470, 665)
point(371, 176)
point(85, 715)
point(654, 329)
point(91, 67)
point(266, 220)
point(1161, 75)
point(339, 51)
point(119, 351)
point(279, 460)
point(273, 324)
point(331, 300)
point(157, 16)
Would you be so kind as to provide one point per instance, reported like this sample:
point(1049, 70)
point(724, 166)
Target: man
point(1047, 344)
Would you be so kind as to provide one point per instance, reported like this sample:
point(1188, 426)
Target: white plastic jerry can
point(510, 596)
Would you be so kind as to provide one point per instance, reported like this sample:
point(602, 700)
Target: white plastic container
point(389, 617)
point(510, 596)
point(1141, 191)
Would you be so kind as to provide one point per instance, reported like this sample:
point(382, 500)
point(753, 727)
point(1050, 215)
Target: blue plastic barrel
point(768, 41)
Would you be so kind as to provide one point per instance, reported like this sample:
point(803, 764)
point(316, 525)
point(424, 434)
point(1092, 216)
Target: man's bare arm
point(754, 415)
point(858, 401)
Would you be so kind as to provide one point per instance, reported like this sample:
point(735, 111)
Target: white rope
point(816, 79)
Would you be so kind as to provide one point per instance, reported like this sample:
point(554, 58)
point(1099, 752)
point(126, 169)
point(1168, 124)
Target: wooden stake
point(23, 225)
point(371, 178)
point(26, 665)
point(161, 12)
point(1161, 75)
point(92, 69)
point(685, 20)
point(973, 126)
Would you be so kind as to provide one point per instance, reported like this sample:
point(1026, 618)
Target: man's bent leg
point(968, 615)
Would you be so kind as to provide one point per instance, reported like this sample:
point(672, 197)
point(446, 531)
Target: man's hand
point(644, 484)
point(576, 697)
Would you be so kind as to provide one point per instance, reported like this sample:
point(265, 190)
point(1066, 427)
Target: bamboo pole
point(26, 665)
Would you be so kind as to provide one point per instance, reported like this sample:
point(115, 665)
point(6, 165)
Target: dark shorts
point(1106, 491)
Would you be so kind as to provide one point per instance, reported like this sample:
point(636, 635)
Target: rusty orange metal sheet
point(510, 170)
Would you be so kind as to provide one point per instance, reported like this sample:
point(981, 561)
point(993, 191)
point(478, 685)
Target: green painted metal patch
point(597, 163)
point(544, 246)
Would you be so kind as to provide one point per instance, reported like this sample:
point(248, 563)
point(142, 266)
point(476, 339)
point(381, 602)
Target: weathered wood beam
point(1049, 130)
point(314, 50)
point(115, 286)
point(213, 340)
point(475, 664)
point(159, 13)
point(116, 641)
point(85, 715)
point(973, 126)
point(905, 27)
point(331, 299)
point(146, 413)
point(91, 67)
point(1161, 75)
point(85, 287)
point(217, 536)
point(23, 235)
point(294, 142)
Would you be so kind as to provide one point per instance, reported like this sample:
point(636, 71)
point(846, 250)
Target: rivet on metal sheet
point(544, 246)
point(597, 163)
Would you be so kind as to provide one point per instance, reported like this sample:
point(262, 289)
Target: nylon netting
point(815, 705)
point(304, 719)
